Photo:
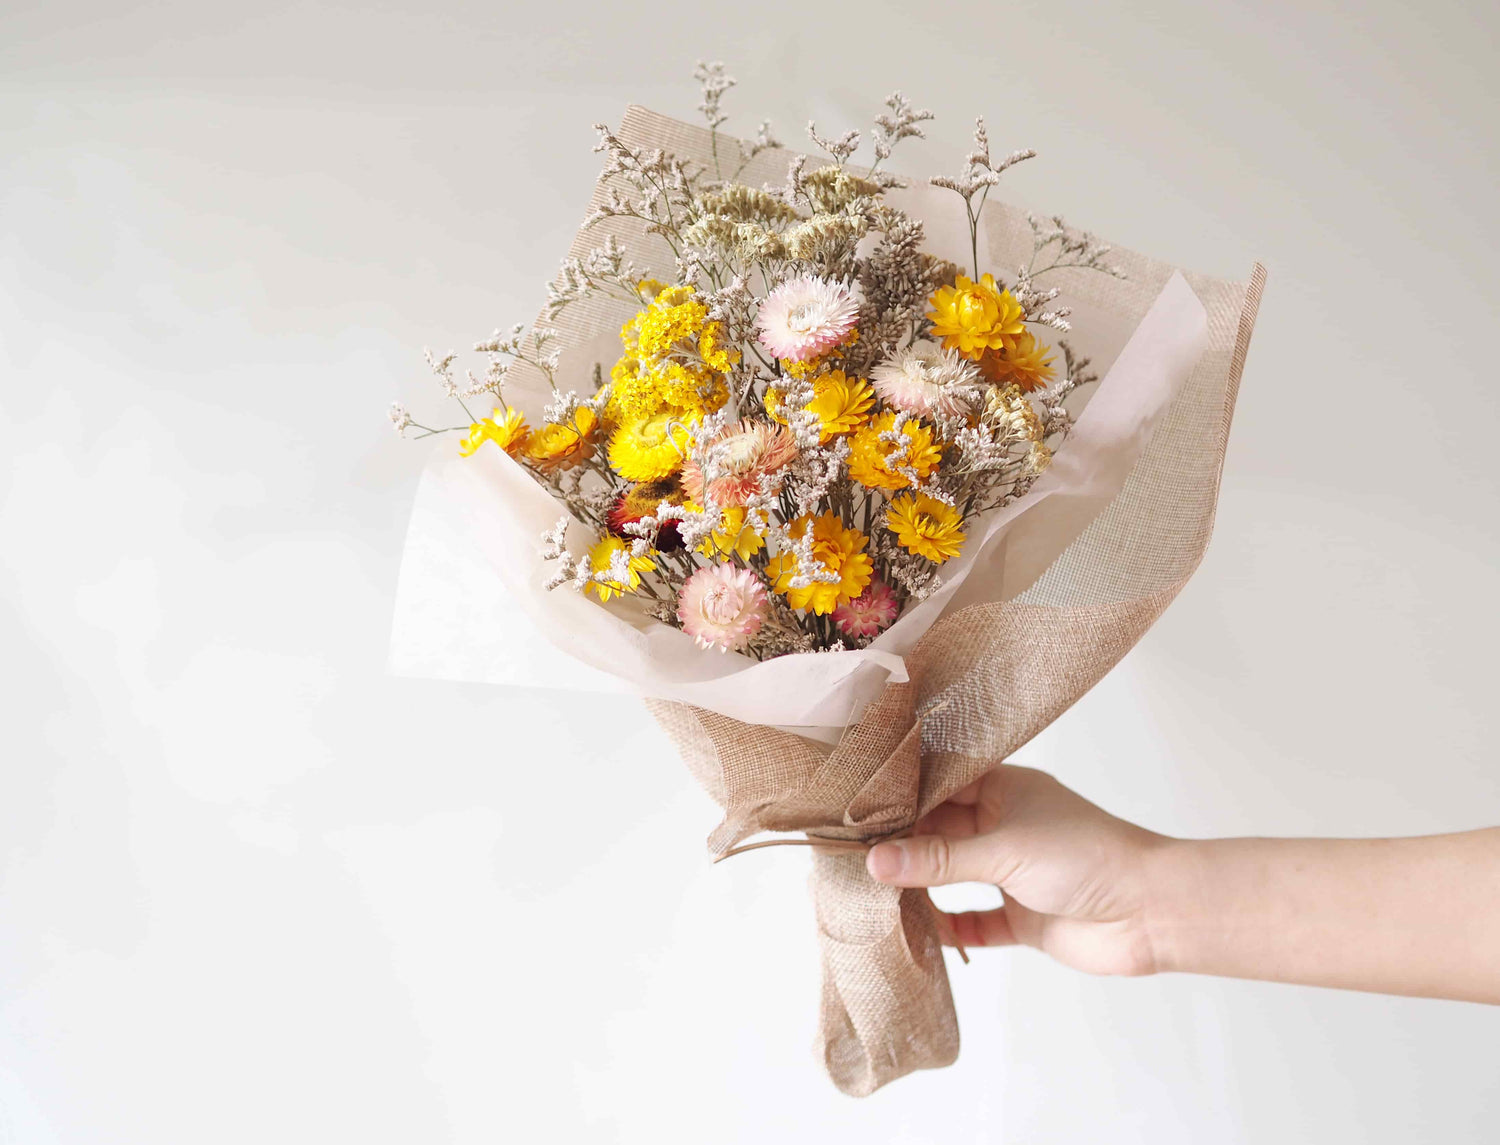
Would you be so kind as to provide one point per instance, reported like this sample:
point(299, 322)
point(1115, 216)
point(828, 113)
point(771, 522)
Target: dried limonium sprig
point(649, 185)
point(764, 140)
point(555, 548)
point(806, 402)
point(532, 346)
point(841, 148)
point(976, 177)
point(603, 270)
point(1064, 247)
point(442, 369)
point(714, 83)
point(891, 127)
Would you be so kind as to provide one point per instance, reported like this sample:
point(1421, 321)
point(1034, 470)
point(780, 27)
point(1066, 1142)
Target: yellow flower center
point(722, 605)
point(740, 453)
point(800, 320)
point(972, 309)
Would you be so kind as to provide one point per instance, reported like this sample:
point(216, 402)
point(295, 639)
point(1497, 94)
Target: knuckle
point(939, 859)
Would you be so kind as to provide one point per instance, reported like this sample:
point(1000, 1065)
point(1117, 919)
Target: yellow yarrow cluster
point(870, 456)
point(674, 357)
point(842, 404)
point(926, 526)
point(839, 549)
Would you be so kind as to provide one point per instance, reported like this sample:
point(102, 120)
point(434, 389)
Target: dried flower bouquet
point(809, 458)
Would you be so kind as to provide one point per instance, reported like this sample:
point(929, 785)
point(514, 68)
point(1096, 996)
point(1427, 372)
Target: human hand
point(1076, 880)
point(1397, 916)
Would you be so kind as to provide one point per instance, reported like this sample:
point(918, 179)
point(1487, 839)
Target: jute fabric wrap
point(984, 679)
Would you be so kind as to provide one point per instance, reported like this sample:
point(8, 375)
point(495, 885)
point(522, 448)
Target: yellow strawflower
point(972, 317)
point(564, 445)
point(1027, 363)
point(504, 426)
point(602, 555)
point(841, 402)
point(649, 288)
point(838, 549)
point(651, 447)
point(926, 526)
point(870, 461)
point(732, 536)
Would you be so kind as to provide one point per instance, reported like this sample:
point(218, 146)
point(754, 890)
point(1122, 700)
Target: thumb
point(932, 861)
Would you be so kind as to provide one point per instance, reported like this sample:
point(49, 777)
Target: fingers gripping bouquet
point(817, 462)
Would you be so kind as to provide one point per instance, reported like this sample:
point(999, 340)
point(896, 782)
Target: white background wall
point(253, 889)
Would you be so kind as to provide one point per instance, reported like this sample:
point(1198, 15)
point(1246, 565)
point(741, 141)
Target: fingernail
point(886, 860)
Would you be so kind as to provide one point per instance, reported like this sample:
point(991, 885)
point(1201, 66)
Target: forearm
point(1416, 916)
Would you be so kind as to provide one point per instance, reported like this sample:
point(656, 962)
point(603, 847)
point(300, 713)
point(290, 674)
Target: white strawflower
point(926, 379)
point(806, 316)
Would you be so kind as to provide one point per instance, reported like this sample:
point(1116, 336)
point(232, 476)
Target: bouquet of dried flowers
point(808, 457)
point(802, 426)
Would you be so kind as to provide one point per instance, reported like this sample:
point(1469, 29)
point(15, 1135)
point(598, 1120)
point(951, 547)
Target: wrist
point(1175, 909)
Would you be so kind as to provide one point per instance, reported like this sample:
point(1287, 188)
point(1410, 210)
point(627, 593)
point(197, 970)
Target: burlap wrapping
point(985, 678)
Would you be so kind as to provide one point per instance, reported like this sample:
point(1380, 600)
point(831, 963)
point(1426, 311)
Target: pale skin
point(1416, 916)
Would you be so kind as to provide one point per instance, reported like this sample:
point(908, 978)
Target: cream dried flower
point(926, 379)
point(738, 462)
point(806, 316)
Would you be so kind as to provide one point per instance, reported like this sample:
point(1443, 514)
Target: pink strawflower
point(806, 316)
point(731, 467)
point(869, 613)
point(722, 606)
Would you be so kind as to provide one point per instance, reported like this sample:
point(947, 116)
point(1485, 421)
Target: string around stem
point(939, 916)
